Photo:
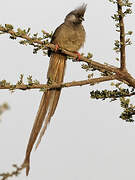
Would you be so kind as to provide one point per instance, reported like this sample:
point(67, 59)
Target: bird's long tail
point(48, 104)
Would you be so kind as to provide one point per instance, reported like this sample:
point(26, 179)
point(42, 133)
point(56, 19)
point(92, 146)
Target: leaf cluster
point(121, 94)
point(129, 110)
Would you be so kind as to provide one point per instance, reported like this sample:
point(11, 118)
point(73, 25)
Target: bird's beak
point(82, 18)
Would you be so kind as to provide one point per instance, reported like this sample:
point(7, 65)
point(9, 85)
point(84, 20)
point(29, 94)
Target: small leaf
point(9, 26)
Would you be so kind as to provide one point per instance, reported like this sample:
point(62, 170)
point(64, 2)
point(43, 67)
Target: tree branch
point(52, 46)
point(122, 36)
point(16, 172)
point(121, 75)
point(59, 85)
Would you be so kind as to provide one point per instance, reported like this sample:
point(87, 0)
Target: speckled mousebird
point(69, 36)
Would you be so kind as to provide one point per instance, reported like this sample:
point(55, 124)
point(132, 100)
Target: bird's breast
point(71, 39)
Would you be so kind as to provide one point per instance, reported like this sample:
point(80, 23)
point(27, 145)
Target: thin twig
point(13, 173)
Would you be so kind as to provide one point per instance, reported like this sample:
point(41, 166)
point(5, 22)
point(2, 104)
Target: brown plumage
point(70, 36)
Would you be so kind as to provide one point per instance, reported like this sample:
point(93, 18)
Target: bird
point(70, 35)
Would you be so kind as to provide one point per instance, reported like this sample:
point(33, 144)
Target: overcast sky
point(86, 139)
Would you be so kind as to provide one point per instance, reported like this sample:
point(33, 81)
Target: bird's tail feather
point(55, 94)
point(47, 106)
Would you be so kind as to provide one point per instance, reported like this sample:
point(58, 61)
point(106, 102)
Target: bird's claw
point(56, 47)
point(78, 56)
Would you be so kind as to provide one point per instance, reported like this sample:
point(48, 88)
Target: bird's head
point(76, 16)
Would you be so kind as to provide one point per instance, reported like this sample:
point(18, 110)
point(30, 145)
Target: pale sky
point(86, 139)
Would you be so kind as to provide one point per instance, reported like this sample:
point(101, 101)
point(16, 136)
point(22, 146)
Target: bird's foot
point(78, 55)
point(56, 47)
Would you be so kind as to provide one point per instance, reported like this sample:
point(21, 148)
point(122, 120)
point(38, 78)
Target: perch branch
point(52, 46)
point(121, 73)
